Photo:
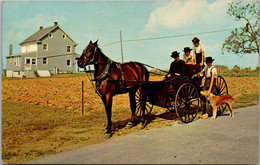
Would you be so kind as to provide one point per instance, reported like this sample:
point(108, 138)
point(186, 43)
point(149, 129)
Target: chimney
point(55, 23)
point(41, 27)
point(10, 49)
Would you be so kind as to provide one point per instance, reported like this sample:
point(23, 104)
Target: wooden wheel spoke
point(147, 111)
point(194, 104)
point(191, 93)
point(223, 89)
point(182, 93)
point(138, 109)
point(194, 110)
point(184, 112)
point(180, 103)
point(221, 83)
point(138, 92)
point(194, 96)
point(186, 91)
point(193, 100)
point(187, 114)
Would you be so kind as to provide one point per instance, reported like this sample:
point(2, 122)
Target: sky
point(103, 21)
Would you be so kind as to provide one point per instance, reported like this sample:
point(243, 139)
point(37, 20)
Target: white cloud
point(180, 13)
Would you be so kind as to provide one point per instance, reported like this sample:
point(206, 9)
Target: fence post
point(82, 97)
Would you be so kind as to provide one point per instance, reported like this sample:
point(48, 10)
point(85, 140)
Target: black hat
point(187, 49)
point(209, 59)
point(195, 40)
point(175, 54)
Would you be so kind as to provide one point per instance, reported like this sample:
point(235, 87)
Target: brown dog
point(216, 101)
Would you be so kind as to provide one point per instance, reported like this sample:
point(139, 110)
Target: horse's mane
point(106, 57)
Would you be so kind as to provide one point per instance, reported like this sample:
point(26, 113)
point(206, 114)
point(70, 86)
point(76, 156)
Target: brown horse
point(113, 78)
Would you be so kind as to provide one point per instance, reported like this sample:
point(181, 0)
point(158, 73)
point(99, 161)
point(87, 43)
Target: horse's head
point(88, 55)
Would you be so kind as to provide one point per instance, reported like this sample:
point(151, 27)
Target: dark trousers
point(203, 98)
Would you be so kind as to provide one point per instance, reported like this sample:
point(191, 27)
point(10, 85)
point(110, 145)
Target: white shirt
point(199, 48)
point(185, 57)
point(211, 69)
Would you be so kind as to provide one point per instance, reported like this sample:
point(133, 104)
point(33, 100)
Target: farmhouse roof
point(42, 32)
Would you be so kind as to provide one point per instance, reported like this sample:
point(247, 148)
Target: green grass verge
point(246, 100)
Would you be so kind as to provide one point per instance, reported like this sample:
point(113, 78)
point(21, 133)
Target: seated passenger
point(177, 72)
point(187, 57)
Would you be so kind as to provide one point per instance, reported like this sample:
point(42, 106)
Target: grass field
point(42, 116)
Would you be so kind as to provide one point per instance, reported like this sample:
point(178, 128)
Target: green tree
point(243, 39)
point(257, 69)
point(236, 68)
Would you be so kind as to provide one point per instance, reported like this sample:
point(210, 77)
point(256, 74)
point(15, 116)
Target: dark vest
point(198, 57)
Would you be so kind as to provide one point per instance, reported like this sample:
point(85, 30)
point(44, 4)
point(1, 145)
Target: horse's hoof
point(108, 135)
point(141, 126)
point(129, 125)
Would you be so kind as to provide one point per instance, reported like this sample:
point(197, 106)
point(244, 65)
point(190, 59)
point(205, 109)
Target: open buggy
point(183, 98)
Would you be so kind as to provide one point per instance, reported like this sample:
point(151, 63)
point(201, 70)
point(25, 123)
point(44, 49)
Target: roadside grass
point(246, 100)
point(31, 131)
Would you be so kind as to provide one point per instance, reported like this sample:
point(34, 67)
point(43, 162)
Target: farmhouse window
point(64, 36)
point(68, 62)
point(68, 49)
point(34, 61)
point(11, 61)
point(50, 35)
point(16, 61)
point(28, 61)
point(45, 60)
point(45, 47)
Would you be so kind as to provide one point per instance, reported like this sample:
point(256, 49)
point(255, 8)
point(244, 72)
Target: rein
point(90, 77)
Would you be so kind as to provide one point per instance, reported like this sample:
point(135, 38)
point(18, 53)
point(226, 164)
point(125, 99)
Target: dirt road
point(224, 140)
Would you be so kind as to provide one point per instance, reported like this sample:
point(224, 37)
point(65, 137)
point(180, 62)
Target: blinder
point(92, 59)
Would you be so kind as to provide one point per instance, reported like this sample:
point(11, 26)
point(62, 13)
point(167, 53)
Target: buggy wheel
point(187, 102)
point(222, 89)
point(143, 107)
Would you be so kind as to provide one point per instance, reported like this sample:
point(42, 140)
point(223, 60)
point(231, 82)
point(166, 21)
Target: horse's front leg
point(133, 107)
point(107, 100)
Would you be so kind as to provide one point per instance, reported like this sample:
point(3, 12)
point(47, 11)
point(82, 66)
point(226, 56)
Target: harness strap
point(94, 55)
point(122, 74)
point(105, 71)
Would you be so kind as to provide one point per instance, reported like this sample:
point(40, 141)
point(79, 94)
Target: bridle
point(92, 60)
